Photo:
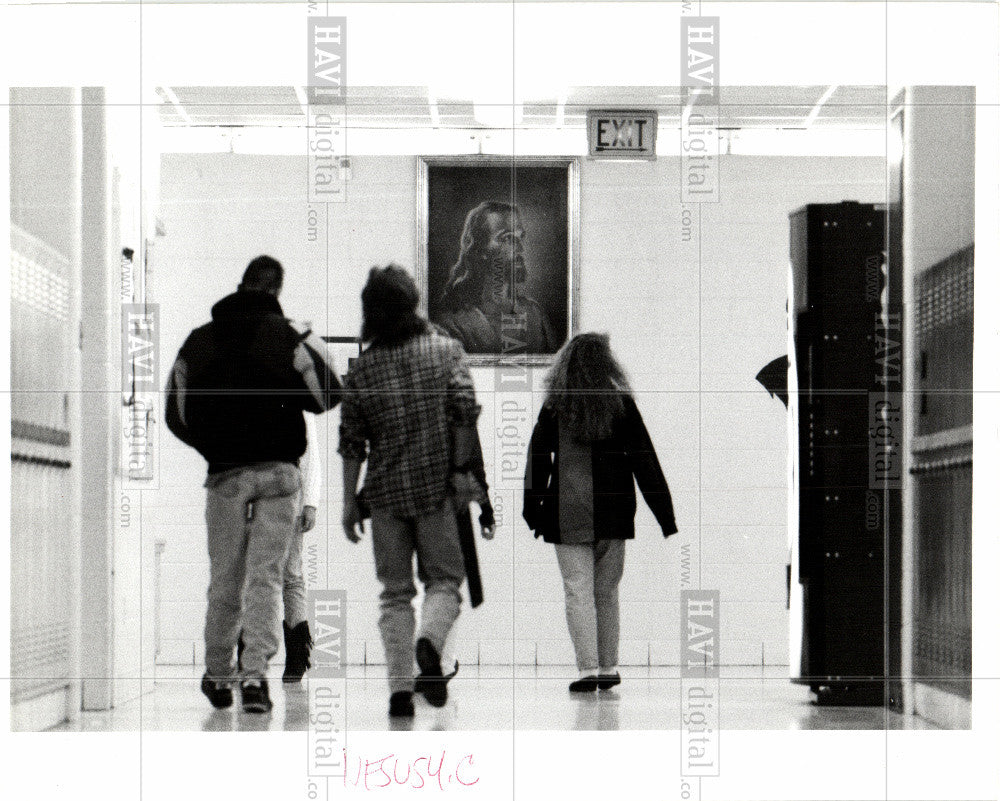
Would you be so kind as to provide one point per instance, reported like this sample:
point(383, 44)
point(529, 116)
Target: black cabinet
point(841, 296)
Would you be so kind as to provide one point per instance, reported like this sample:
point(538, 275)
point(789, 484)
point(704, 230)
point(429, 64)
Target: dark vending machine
point(840, 301)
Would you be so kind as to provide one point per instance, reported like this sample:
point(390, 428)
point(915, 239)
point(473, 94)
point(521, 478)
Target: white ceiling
point(855, 108)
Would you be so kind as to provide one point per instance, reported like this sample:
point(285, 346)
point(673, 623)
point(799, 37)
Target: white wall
point(692, 338)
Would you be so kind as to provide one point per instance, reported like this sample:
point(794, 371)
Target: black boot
point(298, 645)
point(240, 646)
point(431, 681)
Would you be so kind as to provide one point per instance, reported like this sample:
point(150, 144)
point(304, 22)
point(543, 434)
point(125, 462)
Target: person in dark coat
point(236, 394)
point(588, 448)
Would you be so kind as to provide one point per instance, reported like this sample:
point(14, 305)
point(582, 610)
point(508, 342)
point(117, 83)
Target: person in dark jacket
point(579, 494)
point(236, 394)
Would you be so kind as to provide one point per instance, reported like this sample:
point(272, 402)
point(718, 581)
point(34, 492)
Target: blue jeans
point(250, 515)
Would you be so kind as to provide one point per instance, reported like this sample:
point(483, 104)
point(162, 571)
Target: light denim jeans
point(441, 570)
point(591, 573)
point(250, 515)
point(294, 592)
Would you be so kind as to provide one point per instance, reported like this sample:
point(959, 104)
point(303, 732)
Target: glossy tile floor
point(491, 698)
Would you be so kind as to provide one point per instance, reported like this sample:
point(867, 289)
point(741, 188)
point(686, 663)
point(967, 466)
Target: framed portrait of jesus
point(498, 250)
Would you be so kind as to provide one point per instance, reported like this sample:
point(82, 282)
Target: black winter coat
point(239, 385)
point(626, 453)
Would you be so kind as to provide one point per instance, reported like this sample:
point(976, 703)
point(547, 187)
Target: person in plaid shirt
point(409, 408)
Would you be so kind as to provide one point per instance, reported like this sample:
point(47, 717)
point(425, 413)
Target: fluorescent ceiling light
point(498, 115)
point(168, 93)
point(814, 113)
point(292, 141)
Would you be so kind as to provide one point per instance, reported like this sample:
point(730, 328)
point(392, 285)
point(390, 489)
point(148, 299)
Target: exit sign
point(622, 134)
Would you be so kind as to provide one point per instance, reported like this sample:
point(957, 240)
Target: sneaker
point(587, 684)
point(431, 681)
point(218, 693)
point(255, 696)
point(606, 681)
point(401, 704)
point(298, 645)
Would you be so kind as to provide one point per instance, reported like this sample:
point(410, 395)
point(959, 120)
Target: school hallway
point(108, 612)
point(781, 261)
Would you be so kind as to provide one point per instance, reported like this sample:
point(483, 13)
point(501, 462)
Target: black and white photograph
point(508, 400)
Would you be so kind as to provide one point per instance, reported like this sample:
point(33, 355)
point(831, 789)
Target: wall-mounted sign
point(621, 134)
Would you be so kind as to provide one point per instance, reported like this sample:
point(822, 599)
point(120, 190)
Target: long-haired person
point(410, 410)
point(588, 443)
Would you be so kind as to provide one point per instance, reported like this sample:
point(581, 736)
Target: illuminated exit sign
point(622, 134)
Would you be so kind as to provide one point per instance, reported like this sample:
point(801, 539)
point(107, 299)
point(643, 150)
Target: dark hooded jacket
point(240, 384)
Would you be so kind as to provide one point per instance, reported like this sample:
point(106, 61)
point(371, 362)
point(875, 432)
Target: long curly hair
point(587, 387)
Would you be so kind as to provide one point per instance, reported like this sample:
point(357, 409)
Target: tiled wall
point(691, 337)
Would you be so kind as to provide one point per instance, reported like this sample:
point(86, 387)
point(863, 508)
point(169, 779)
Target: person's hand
point(465, 489)
point(351, 520)
point(307, 519)
point(487, 532)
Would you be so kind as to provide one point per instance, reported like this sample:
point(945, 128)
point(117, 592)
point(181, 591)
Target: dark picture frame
point(543, 309)
point(344, 350)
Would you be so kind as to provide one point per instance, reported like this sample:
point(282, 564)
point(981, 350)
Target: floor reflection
point(597, 711)
point(254, 722)
point(400, 724)
point(296, 717)
point(498, 698)
point(218, 720)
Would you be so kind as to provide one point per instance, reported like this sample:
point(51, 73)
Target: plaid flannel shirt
point(399, 405)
